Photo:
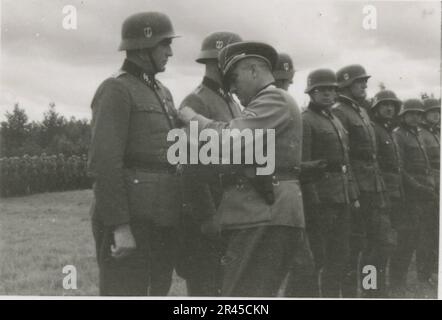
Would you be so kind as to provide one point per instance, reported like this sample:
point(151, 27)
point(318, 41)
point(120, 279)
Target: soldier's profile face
point(358, 88)
point(161, 53)
point(432, 116)
point(386, 110)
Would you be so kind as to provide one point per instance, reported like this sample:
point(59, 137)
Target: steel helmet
point(321, 78)
point(386, 95)
point(412, 105)
point(431, 104)
point(284, 69)
point(347, 75)
point(145, 30)
point(213, 43)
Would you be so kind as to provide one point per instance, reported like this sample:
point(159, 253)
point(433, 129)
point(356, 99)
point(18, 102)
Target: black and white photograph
point(204, 150)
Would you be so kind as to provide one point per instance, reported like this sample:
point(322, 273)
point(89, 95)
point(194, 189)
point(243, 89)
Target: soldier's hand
point(124, 242)
point(356, 204)
point(186, 114)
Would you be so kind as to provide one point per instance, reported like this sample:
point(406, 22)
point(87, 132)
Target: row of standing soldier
point(238, 234)
point(27, 175)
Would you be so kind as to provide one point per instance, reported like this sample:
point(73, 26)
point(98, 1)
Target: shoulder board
point(118, 74)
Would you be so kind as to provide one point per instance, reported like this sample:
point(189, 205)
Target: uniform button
point(136, 181)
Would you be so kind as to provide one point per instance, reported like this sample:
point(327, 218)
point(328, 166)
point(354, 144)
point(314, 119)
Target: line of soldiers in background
point(376, 202)
point(27, 175)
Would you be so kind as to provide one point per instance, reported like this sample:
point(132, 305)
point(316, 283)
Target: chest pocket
point(414, 156)
point(151, 117)
point(359, 136)
point(328, 140)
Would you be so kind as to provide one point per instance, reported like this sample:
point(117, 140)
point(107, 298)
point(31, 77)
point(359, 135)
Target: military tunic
point(367, 231)
point(391, 168)
point(133, 182)
point(200, 264)
point(418, 230)
point(261, 238)
point(431, 138)
point(327, 200)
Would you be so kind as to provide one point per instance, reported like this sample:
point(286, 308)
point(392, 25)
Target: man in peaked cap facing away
point(137, 203)
point(284, 71)
point(416, 231)
point(261, 216)
point(366, 232)
point(200, 264)
point(327, 199)
point(385, 109)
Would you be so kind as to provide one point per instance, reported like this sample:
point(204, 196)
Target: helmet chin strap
point(150, 61)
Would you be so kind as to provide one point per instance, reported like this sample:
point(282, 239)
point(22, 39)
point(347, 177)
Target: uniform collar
point(413, 130)
point(347, 99)
point(269, 85)
point(429, 127)
point(138, 72)
point(387, 124)
point(320, 110)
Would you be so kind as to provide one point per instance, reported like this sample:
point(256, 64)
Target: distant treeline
point(53, 135)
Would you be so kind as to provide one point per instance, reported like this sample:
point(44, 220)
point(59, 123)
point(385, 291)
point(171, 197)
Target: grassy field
point(41, 234)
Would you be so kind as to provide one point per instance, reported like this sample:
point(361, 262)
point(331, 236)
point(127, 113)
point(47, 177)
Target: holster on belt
point(263, 184)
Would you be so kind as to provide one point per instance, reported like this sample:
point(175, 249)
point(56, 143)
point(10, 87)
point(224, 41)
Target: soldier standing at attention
point(365, 237)
point(431, 134)
point(385, 109)
point(261, 216)
point(420, 194)
point(284, 71)
point(328, 199)
point(137, 196)
point(200, 265)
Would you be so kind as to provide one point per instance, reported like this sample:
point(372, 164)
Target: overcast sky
point(42, 62)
